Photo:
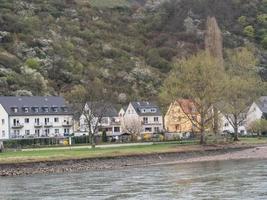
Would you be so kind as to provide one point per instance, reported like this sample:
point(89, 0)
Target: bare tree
point(90, 105)
point(132, 126)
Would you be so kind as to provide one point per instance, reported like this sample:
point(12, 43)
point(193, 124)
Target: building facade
point(177, 118)
point(258, 110)
point(142, 117)
point(34, 117)
point(104, 116)
point(227, 127)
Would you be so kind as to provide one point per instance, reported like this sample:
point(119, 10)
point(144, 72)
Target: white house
point(27, 117)
point(104, 116)
point(143, 117)
point(258, 110)
point(227, 127)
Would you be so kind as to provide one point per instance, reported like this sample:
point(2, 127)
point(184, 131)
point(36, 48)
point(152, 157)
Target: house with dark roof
point(142, 117)
point(104, 117)
point(258, 110)
point(28, 117)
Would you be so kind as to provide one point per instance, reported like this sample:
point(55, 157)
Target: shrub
point(249, 31)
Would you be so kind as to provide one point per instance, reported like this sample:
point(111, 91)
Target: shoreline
point(205, 154)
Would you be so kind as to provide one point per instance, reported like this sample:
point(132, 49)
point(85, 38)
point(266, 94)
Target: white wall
point(4, 126)
point(30, 126)
point(131, 115)
point(254, 113)
point(226, 126)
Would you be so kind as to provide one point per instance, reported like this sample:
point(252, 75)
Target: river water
point(207, 180)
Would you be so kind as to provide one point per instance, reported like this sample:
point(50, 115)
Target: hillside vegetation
point(52, 46)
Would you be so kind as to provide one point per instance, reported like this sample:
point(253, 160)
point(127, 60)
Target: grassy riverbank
point(81, 153)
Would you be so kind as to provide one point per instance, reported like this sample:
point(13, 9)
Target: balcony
point(38, 125)
point(67, 124)
point(17, 126)
point(48, 124)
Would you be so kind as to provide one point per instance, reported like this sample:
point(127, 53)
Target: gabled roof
point(47, 105)
point(103, 109)
point(139, 106)
point(187, 105)
point(262, 104)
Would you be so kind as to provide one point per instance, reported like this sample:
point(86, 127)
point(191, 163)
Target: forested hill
point(52, 46)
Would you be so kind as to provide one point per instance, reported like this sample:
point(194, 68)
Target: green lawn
point(254, 140)
point(65, 154)
point(45, 155)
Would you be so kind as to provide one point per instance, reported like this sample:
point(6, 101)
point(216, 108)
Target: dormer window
point(65, 109)
point(36, 110)
point(26, 109)
point(15, 109)
point(45, 109)
point(153, 110)
point(55, 109)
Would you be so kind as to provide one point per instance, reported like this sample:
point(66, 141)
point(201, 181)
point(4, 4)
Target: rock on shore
point(132, 161)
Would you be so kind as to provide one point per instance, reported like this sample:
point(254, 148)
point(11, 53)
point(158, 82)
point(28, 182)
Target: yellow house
point(181, 116)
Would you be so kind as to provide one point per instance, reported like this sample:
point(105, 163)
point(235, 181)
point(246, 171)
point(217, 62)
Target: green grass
point(254, 140)
point(109, 3)
point(79, 153)
point(60, 154)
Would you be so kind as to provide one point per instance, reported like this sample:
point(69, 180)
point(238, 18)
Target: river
point(207, 180)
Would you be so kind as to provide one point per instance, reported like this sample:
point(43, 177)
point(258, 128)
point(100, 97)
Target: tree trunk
point(1, 147)
point(92, 141)
point(202, 130)
point(236, 129)
point(202, 137)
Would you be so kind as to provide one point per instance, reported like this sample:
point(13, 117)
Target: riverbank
point(180, 154)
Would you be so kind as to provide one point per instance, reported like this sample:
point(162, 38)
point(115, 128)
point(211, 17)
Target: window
point(55, 109)
point(56, 131)
point(47, 131)
point(15, 110)
point(156, 119)
point(26, 120)
point(37, 132)
point(153, 110)
point(156, 129)
point(26, 110)
point(64, 109)
point(45, 109)
point(147, 129)
point(117, 129)
point(3, 121)
point(56, 119)
point(27, 132)
point(36, 109)
point(66, 131)
point(16, 133)
point(3, 134)
point(145, 120)
point(37, 121)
